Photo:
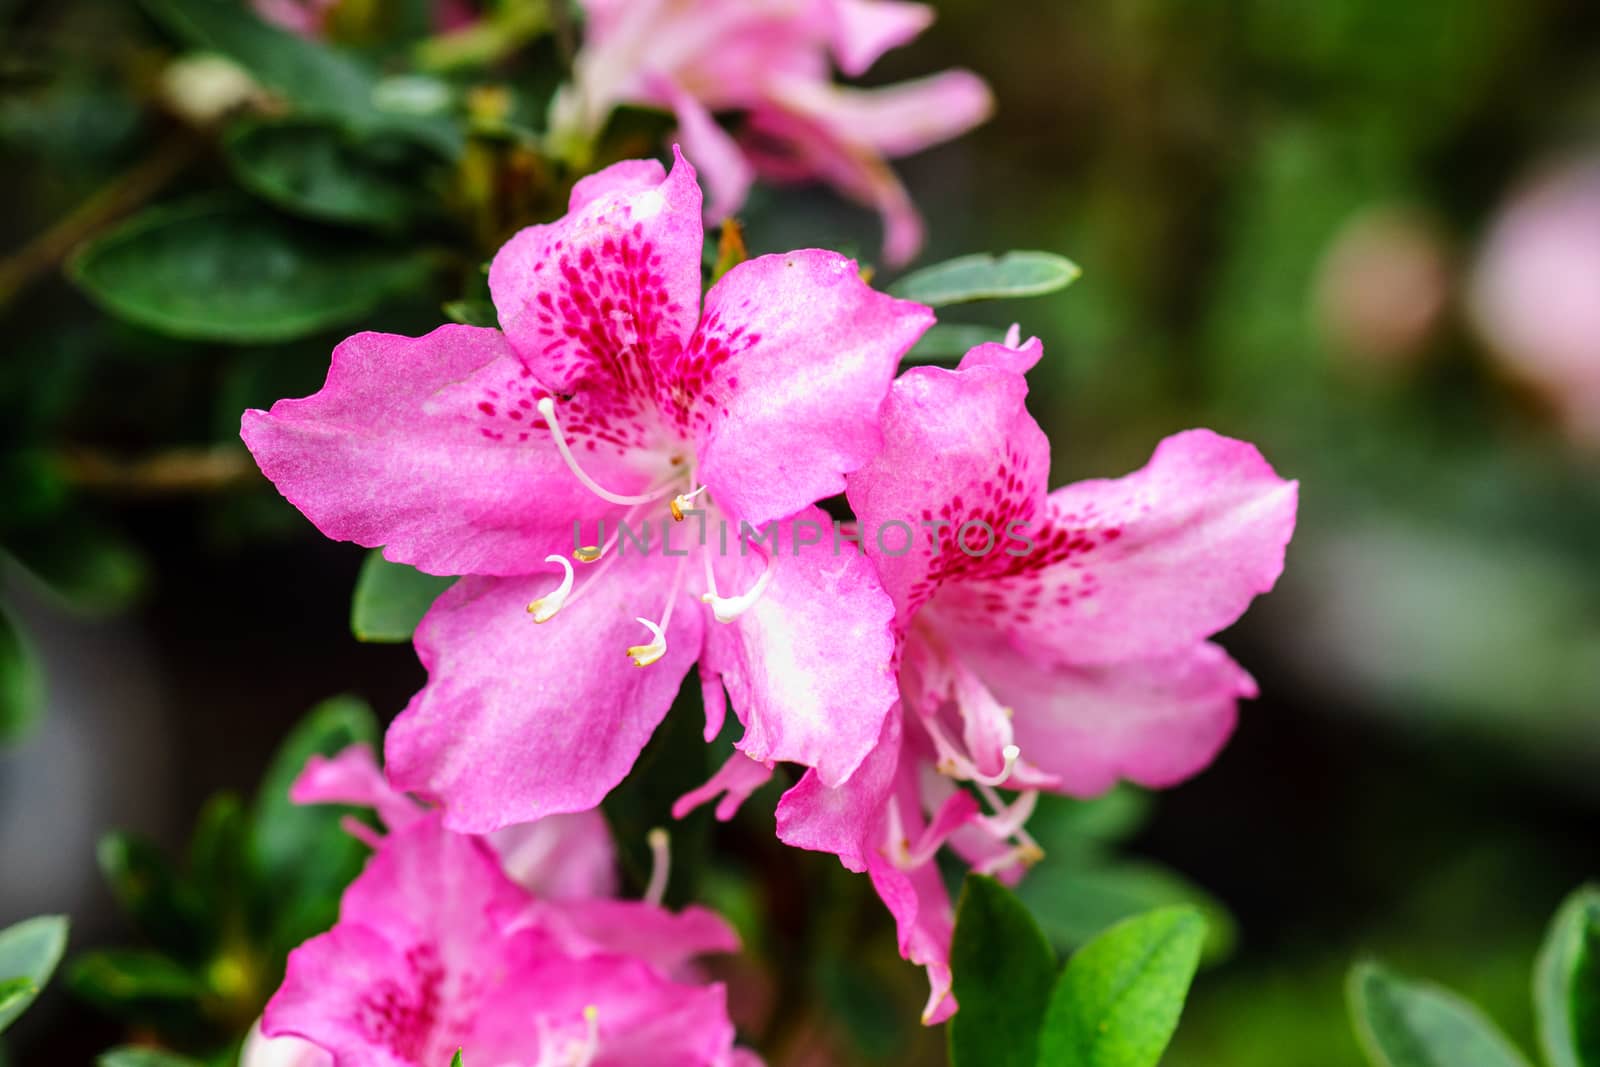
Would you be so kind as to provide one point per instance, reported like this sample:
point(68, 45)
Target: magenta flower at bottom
point(453, 941)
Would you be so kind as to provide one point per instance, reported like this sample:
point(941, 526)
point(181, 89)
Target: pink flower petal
point(666, 940)
point(846, 820)
point(734, 781)
point(810, 667)
point(521, 720)
point(714, 153)
point(863, 30)
point(798, 354)
point(1143, 565)
point(600, 299)
point(354, 777)
point(1153, 722)
point(376, 458)
point(560, 857)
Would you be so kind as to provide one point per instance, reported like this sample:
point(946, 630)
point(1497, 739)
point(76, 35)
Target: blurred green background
point(1283, 212)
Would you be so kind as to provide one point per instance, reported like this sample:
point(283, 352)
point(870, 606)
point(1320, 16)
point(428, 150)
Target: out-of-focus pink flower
point(1051, 641)
point(510, 946)
point(1535, 292)
point(1383, 286)
point(613, 397)
point(305, 17)
point(771, 59)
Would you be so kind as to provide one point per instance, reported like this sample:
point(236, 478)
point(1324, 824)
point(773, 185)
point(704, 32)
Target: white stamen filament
point(544, 609)
point(726, 609)
point(660, 866)
point(646, 654)
point(1026, 854)
point(547, 408)
point(680, 503)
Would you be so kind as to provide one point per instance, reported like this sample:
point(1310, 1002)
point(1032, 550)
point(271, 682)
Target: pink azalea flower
point(771, 59)
point(1050, 641)
point(613, 397)
point(309, 18)
point(450, 940)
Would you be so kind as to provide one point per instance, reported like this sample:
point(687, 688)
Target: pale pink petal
point(597, 301)
point(1007, 355)
point(560, 857)
point(810, 667)
point(734, 781)
point(1153, 722)
point(925, 922)
point(664, 939)
point(354, 777)
point(1139, 566)
point(893, 120)
point(793, 359)
point(396, 451)
point(715, 154)
point(863, 30)
point(520, 720)
point(846, 820)
point(962, 464)
point(262, 1051)
point(408, 973)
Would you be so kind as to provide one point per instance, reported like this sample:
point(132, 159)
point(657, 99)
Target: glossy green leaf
point(1118, 1001)
point(221, 271)
point(320, 81)
point(1412, 1024)
point(987, 277)
point(391, 598)
point(301, 858)
point(29, 953)
point(1075, 901)
point(1566, 983)
point(132, 1056)
point(217, 853)
point(324, 173)
point(21, 682)
point(455, 1061)
point(1002, 970)
point(118, 978)
point(947, 342)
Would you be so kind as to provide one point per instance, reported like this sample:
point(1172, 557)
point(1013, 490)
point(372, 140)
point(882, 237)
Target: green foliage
point(947, 342)
point(1118, 1000)
point(1085, 886)
point(321, 82)
point(131, 1056)
point(90, 569)
point(301, 858)
point(986, 277)
point(216, 270)
point(455, 1061)
point(391, 598)
point(472, 313)
point(1411, 1024)
point(322, 172)
point(29, 952)
point(1002, 970)
point(21, 682)
point(1566, 983)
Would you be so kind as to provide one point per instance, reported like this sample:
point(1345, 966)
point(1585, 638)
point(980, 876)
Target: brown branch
point(171, 472)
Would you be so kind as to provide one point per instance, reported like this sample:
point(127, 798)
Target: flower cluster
point(909, 687)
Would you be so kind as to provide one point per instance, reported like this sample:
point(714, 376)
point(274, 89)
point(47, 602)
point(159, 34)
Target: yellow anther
point(587, 554)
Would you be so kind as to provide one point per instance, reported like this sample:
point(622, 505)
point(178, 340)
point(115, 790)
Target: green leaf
point(301, 858)
point(1118, 1001)
point(117, 978)
point(149, 890)
point(391, 598)
point(132, 1056)
point(215, 270)
point(1411, 1024)
point(1075, 901)
point(29, 953)
point(92, 570)
point(217, 857)
point(320, 81)
point(986, 277)
point(947, 342)
point(324, 173)
point(472, 313)
point(1002, 970)
point(1566, 983)
point(21, 682)
point(455, 1061)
